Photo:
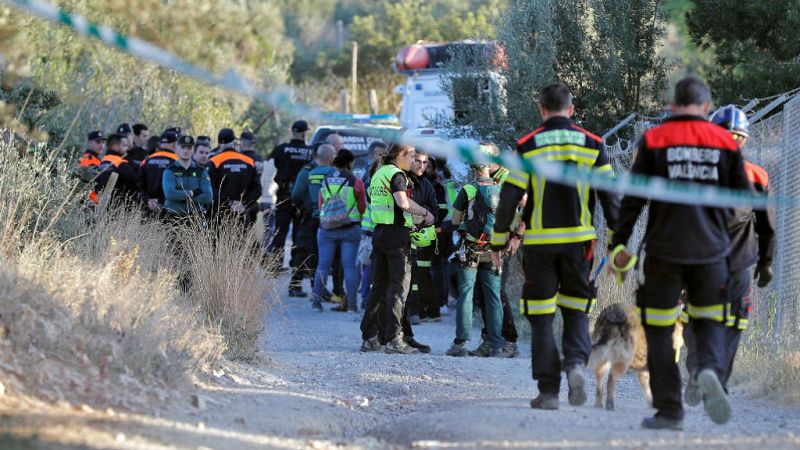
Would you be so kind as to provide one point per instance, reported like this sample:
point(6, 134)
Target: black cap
point(186, 141)
point(300, 126)
point(176, 130)
point(169, 137)
point(247, 136)
point(203, 140)
point(124, 129)
point(226, 136)
point(96, 135)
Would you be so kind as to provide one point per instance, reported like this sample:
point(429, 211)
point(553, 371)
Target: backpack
point(334, 212)
point(481, 212)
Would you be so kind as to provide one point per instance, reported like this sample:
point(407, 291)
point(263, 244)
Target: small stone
point(87, 409)
point(201, 426)
point(218, 373)
point(120, 438)
point(364, 402)
point(111, 412)
point(198, 401)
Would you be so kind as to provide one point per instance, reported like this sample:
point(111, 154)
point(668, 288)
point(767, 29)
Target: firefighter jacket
point(290, 157)
point(689, 149)
point(186, 190)
point(424, 193)
point(752, 232)
point(556, 215)
point(126, 177)
point(151, 174)
point(89, 159)
point(234, 178)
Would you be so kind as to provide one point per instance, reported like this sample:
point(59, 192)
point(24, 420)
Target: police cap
point(300, 126)
point(124, 129)
point(186, 141)
point(96, 135)
point(226, 136)
point(169, 137)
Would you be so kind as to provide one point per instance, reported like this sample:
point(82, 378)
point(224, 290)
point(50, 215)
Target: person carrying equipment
point(114, 162)
point(234, 180)
point(752, 234)
point(393, 213)
point(687, 246)
point(474, 213)
point(558, 244)
point(342, 200)
point(151, 173)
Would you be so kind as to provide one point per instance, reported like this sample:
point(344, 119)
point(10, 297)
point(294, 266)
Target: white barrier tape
point(656, 188)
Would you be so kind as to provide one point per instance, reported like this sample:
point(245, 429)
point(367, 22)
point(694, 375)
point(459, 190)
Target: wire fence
point(773, 144)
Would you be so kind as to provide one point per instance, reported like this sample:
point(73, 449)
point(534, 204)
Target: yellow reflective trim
point(518, 178)
point(659, 317)
point(499, 239)
point(423, 263)
point(577, 303)
point(538, 200)
point(567, 152)
point(414, 287)
point(743, 323)
point(559, 235)
point(684, 317)
point(605, 168)
point(537, 307)
point(713, 312)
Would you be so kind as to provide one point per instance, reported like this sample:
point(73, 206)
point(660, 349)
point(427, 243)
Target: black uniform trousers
point(384, 315)
point(736, 320)
point(657, 300)
point(509, 330)
point(556, 277)
point(423, 301)
point(440, 267)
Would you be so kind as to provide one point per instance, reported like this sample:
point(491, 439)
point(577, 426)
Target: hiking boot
point(371, 345)
point(398, 345)
point(499, 353)
point(692, 394)
point(576, 381)
point(482, 350)
point(714, 398)
point(457, 350)
point(336, 298)
point(414, 344)
point(662, 423)
point(317, 307)
point(340, 308)
point(414, 320)
point(297, 292)
point(511, 349)
point(545, 401)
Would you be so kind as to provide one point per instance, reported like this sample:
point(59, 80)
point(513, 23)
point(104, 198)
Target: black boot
point(414, 344)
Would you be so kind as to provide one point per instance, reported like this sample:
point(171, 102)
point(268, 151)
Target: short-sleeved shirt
point(396, 234)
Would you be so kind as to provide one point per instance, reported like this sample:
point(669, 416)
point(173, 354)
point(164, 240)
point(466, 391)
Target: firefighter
point(95, 146)
point(394, 215)
point(446, 193)
point(422, 298)
point(558, 244)
point(186, 185)
point(114, 162)
point(289, 158)
point(234, 180)
point(474, 213)
point(752, 235)
point(687, 246)
point(151, 173)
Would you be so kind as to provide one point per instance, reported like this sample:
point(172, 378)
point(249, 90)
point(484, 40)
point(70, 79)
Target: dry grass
point(90, 306)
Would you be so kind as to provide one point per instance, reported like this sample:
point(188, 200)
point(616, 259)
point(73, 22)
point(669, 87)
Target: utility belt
point(472, 252)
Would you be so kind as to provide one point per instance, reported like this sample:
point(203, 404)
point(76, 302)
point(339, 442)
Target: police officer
point(114, 162)
point(289, 158)
point(186, 185)
point(151, 173)
point(393, 213)
point(137, 151)
point(474, 212)
point(558, 243)
point(752, 235)
point(687, 247)
point(234, 180)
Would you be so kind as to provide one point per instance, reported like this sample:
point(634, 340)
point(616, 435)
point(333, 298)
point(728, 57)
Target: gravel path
point(436, 401)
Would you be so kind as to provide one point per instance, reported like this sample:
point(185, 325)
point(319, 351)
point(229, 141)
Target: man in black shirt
point(138, 141)
point(289, 157)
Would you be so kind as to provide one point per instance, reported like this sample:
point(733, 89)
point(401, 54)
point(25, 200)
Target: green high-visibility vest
point(450, 194)
point(381, 199)
point(366, 220)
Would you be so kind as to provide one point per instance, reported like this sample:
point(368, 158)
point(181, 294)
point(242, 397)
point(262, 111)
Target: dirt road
point(318, 391)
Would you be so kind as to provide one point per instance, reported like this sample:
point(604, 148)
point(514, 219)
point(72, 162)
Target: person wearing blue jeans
point(346, 239)
point(489, 278)
point(342, 201)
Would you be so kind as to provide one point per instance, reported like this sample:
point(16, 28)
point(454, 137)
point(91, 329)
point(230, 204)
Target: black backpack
point(480, 215)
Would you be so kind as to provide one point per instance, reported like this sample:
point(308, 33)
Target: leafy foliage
point(755, 44)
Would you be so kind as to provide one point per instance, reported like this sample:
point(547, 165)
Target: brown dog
point(619, 344)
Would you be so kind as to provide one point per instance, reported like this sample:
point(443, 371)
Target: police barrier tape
point(656, 188)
